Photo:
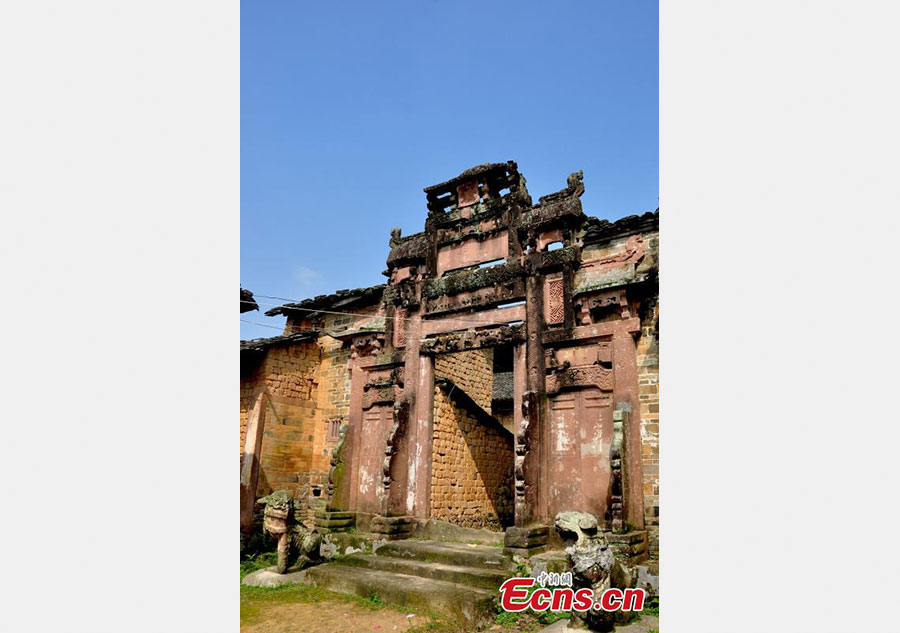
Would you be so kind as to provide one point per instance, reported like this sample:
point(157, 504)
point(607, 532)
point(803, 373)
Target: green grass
point(258, 561)
point(528, 619)
point(651, 607)
point(255, 600)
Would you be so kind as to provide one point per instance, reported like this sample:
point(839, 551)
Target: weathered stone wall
point(287, 375)
point(472, 469)
point(334, 385)
point(471, 371)
point(648, 379)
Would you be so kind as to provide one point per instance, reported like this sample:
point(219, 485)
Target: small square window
point(334, 430)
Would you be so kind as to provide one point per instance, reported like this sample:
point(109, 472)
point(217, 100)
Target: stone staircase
point(453, 579)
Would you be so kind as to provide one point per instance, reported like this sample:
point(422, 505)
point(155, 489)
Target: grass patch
point(651, 607)
point(528, 620)
point(258, 561)
point(256, 600)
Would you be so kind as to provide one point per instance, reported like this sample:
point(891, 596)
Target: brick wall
point(472, 469)
point(334, 388)
point(471, 371)
point(648, 380)
point(309, 385)
point(288, 375)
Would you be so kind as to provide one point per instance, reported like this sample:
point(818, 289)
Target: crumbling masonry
point(507, 371)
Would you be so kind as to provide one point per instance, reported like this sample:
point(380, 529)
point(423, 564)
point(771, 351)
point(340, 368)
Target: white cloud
point(305, 277)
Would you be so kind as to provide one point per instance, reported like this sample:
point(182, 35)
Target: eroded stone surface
point(593, 565)
point(298, 547)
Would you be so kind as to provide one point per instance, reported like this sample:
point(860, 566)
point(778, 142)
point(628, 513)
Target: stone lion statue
point(593, 565)
point(298, 547)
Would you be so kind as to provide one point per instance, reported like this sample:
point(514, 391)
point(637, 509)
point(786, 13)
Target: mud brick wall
point(472, 469)
point(288, 375)
point(284, 371)
point(471, 371)
point(648, 381)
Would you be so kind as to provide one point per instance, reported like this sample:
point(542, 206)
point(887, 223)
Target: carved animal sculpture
point(593, 564)
point(298, 547)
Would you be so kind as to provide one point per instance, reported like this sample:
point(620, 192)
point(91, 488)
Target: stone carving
point(616, 511)
point(461, 341)
point(337, 464)
point(575, 182)
point(396, 233)
point(400, 316)
point(555, 300)
point(368, 345)
point(380, 395)
point(593, 308)
point(566, 375)
point(522, 447)
point(593, 564)
point(298, 547)
point(382, 387)
point(394, 440)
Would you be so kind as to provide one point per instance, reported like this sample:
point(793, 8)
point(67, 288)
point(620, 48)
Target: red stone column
point(419, 499)
point(355, 433)
point(536, 462)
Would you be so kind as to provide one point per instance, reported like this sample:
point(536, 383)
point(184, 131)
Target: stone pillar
point(250, 462)
point(419, 478)
point(355, 435)
point(627, 393)
point(535, 380)
point(519, 371)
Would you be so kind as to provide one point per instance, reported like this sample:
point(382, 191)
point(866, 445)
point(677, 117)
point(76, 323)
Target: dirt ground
point(302, 608)
point(330, 617)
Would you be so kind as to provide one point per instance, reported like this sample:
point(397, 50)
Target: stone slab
point(269, 577)
point(470, 605)
point(438, 530)
point(490, 579)
point(451, 553)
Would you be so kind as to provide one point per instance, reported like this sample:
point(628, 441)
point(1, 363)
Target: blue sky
point(349, 109)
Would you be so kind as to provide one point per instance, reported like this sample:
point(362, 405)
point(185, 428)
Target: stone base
point(393, 528)
point(526, 541)
point(334, 521)
point(629, 547)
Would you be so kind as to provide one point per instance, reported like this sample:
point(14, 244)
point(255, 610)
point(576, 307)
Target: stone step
point(335, 514)
point(490, 579)
point(334, 523)
point(462, 554)
point(470, 605)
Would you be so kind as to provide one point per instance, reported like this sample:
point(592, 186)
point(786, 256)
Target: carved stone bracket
point(580, 376)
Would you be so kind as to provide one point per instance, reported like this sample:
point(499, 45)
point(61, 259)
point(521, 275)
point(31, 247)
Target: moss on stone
point(472, 280)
